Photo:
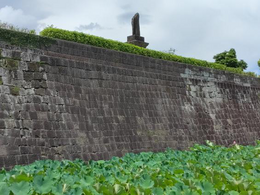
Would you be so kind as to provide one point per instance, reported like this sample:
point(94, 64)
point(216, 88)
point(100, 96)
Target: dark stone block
point(9, 161)
point(33, 115)
point(47, 125)
point(28, 76)
point(25, 150)
point(40, 142)
point(37, 125)
point(51, 134)
point(32, 158)
point(2, 124)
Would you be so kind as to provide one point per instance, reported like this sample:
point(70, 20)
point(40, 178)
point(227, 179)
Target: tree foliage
point(229, 58)
point(258, 63)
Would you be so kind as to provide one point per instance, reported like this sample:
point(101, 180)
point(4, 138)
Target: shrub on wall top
point(125, 47)
point(25, 39)
point(31, 40)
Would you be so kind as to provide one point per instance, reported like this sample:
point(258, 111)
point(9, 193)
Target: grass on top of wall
point(129, 48)
point(24, 39)
point(48, 36)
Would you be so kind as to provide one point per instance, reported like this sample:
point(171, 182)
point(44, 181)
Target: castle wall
point(72, 101)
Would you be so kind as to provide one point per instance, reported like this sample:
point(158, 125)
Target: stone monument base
point(137, 40)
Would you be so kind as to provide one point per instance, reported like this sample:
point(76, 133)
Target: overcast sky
point(198, 29)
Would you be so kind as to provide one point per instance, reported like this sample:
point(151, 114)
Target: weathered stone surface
point(79, 101)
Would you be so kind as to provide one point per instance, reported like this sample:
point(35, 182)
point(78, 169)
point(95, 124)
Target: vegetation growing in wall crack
point(125, 47)
point(14, 90)
point(10, 64)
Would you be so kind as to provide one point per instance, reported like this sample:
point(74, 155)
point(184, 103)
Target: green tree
point(258, 63)
point(229, 58)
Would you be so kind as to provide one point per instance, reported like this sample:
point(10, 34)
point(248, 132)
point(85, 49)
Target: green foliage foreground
point(203, 170)
point(124, 47)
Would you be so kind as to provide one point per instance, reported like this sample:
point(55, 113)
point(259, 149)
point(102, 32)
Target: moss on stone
point(188, 88)
point(11, 64)
point(1, 81)
point(34, 66)
point(42, 63)
point(1, 63)
point(14, 90)
point(25, 39)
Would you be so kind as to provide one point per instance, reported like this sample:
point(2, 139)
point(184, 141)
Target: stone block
point(137, 40)
point(2, 124)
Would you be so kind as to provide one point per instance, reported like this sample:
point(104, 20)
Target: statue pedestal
point(137, 40)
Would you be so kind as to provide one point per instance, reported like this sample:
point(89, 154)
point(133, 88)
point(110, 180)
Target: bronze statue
point(136, 25)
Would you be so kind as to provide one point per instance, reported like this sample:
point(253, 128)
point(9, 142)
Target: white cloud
point(90, 26)
point(17, 17)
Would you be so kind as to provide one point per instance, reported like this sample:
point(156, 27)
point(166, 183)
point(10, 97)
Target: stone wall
point(77, 101)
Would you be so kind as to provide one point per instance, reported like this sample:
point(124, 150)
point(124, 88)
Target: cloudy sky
point(198, 29)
